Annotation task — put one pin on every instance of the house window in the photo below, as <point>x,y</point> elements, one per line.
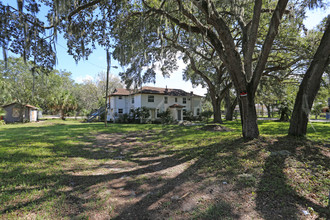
<point>120,111</point>
<point>132,100</point>
<point>151,98</point>
<point>197,111</point>
<point>176,99</point>
<point>184,100</point>
<point>165,100</point>
<point>157,115</point>
<point>120,97</point>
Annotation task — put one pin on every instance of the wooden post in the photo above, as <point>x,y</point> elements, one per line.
<point>107,87</point>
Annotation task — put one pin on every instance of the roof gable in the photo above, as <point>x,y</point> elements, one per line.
<point>121,91</point>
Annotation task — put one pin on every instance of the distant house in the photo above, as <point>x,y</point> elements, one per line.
<point>156,99</point>
<point>16,112</point>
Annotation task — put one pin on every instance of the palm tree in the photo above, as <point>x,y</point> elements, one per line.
<point>63,102</point>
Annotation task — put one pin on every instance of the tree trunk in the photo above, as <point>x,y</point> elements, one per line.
<point>216,104</point>
<point>284,114</point>
<point>21,113</point>
<point>249,117</point>
<point>230,109</point>
<point>310,86</point>
<point>226,48</point>
<point>229,115</point>
<point>268,111</point>
<point>33,83</point>
<point>62,115</point>
<point>262,110</point>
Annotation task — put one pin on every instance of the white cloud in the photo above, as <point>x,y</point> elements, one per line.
<point>81,79</point>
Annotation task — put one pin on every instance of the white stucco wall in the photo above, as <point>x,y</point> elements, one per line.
<point>137,101</point>
<point>157,104</point>
<point>116,104</point>
<point>196,104</point>
<point>112,108</point>
<point>121,103</point>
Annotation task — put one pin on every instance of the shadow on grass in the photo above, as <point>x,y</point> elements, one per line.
<point>71,191</point>
<point>317,131</point>
<point>204,157</point>
<point>276,199</point>
<point>66,188</point>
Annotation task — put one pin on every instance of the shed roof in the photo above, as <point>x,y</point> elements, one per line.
<point>29,106</point>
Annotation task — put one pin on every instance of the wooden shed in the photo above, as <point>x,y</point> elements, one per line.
<point>16,112</point>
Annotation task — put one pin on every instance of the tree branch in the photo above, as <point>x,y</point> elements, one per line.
<point>193,64</point>
<point>223,92</point>
<point>26,18</point>
<point>82,7</point>
<point>199,28</point>
<point>184,26</point>
<point>266,47</point>
<point>249,39</point>
<point>191,17</point>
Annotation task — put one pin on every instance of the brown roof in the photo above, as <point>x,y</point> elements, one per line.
<point>120,91</point>
<point>29,106</point>
<point>154,90</point>
<point>176,106</point>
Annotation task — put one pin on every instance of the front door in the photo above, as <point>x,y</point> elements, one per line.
<point>179,115</point>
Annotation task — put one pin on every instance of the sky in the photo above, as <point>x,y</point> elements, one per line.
<point>88,69</point>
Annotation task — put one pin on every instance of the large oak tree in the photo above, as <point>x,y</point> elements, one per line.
<point>215,22</point>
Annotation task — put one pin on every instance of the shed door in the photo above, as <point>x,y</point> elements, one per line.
<point>33,115</point>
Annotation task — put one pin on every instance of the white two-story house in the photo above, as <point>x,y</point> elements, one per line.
<point>156,100</point>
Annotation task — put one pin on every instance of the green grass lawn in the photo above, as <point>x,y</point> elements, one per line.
<point>67,169</point>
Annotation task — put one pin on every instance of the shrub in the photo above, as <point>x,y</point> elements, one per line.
<point>101,117</point>
<point>123,118</point>
<point>165,117</point>
<point>317,110</point>
<point>157,121</point>
<point>189,116</point>
<point>285,111</point>
<point>143,114</point>
<point>134,116</point>
<point>139,115</point>
<point>26,120</point>
<point>205,115</point>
